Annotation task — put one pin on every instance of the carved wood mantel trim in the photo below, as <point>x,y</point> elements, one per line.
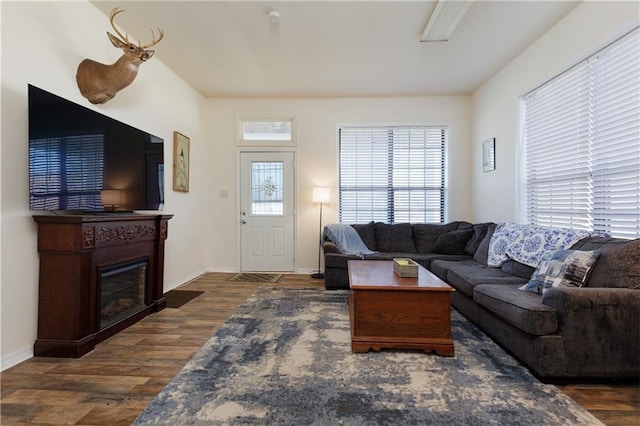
<point>119,234</point>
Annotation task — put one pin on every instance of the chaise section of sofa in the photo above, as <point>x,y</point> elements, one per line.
<point>591,331</point>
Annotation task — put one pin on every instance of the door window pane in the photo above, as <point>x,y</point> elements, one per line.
<point>267,180</point>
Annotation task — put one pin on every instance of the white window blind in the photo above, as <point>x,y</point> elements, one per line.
<point>582,144</point>
<point>392,174</point>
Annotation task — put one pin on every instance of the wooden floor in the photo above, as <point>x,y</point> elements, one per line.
<point>115,382</point>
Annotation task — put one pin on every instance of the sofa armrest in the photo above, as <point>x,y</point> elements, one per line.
<point>599,327</point>
<point>329,247</point>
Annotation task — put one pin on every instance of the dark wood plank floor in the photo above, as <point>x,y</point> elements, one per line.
<point>114,383</point>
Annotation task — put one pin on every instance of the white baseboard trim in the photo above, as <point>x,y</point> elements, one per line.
<point>183,280</point>
<point>224,269</point>
<point>16,358</point>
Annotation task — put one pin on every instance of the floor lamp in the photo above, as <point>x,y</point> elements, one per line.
<point>321,194</point>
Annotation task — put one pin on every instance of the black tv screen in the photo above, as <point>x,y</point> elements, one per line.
<point>81,160</point>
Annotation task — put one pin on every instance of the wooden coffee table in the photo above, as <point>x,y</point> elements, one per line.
<point>387,311</point>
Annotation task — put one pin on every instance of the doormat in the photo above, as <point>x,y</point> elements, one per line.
<point>177,298</point>
<point>255,278</point>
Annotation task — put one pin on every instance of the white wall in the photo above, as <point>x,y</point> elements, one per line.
<point>495,105</point>
<point>42,44</point>
<point>317,159</point>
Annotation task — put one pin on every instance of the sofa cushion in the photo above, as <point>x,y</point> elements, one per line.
<point>440,267</point>
<point>425,235</point>
<point>367,234</point>
<point>479,232</point>
<point>520,309</point>
<point>397,237</point>
<point>562,268</point>
<point>465,277</point>
<point>618,264</point>
<point>453,242</point>
<point>518,269</point>
<point>482,253</point>
<point>338,260</point>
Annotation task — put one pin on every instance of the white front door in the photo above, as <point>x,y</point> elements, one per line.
<point>267,211</point>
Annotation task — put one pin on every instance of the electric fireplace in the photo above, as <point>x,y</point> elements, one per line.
<point>122,290</point>
<point>99,273</point>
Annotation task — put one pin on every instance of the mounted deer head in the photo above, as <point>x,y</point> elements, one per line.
<point>98,82</point>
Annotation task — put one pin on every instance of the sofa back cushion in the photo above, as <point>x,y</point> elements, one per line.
<point>518,269</point>
<point>425,235</point>
<point>618,264</point>
<point>453,242</point>
<point>367,234</point>
<point>482,253</point>
<point>480,231</point>
<point>397,237</point>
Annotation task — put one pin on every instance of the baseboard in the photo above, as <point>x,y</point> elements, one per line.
<point>16,358</point>
<point>183,280</point>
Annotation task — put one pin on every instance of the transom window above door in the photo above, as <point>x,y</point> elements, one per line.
<point>267,131</point>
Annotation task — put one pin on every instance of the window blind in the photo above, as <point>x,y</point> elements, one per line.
<point>582,144</point>
<point>392,174</point>
<point>66,172</point>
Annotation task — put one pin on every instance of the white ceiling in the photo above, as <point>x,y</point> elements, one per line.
<point>332,48</point>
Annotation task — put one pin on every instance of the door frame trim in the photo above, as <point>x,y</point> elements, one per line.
<point>269,150</point>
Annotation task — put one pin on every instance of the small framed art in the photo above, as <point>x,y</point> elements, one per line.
<point>181,159</point>
<point>489,155</point>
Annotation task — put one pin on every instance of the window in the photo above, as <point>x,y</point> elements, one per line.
<point>392,174</point>
<point>267,183</point>
<point>582,144</point>
<point>66,172</point>
<point>262,131</point>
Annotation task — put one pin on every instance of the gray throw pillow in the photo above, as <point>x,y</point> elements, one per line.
<point>453,242</point>
<point>480,231</point>
<point>425,235</point>
<point>482,253</point>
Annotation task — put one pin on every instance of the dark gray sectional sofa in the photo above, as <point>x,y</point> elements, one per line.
<point>588,332</point>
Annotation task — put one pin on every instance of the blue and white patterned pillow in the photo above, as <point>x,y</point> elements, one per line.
<point>568,268</point>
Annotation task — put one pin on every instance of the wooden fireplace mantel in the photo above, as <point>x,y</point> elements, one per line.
<point>74,249</point>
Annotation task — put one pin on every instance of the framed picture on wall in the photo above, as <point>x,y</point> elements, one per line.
<point>180,162</point>
<point>489,155</point>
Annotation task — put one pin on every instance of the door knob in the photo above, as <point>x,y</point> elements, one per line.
<point>243,222</point>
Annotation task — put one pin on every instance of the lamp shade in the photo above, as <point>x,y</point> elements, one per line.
<point>110,197</point>
<point>321,194</point>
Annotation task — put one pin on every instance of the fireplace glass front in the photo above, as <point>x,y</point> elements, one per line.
<point>122,291</point>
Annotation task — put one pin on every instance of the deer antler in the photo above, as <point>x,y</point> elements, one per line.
<point>154,42</point>
<point>125,37</point>
<point>112,15</point>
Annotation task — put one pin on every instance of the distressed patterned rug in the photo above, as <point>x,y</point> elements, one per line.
<point>284,358</point>
<point>255,278</point>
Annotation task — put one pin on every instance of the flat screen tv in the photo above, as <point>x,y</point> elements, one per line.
<point>83,161</point>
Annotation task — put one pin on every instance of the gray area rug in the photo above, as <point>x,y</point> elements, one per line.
<point>285,358</point>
